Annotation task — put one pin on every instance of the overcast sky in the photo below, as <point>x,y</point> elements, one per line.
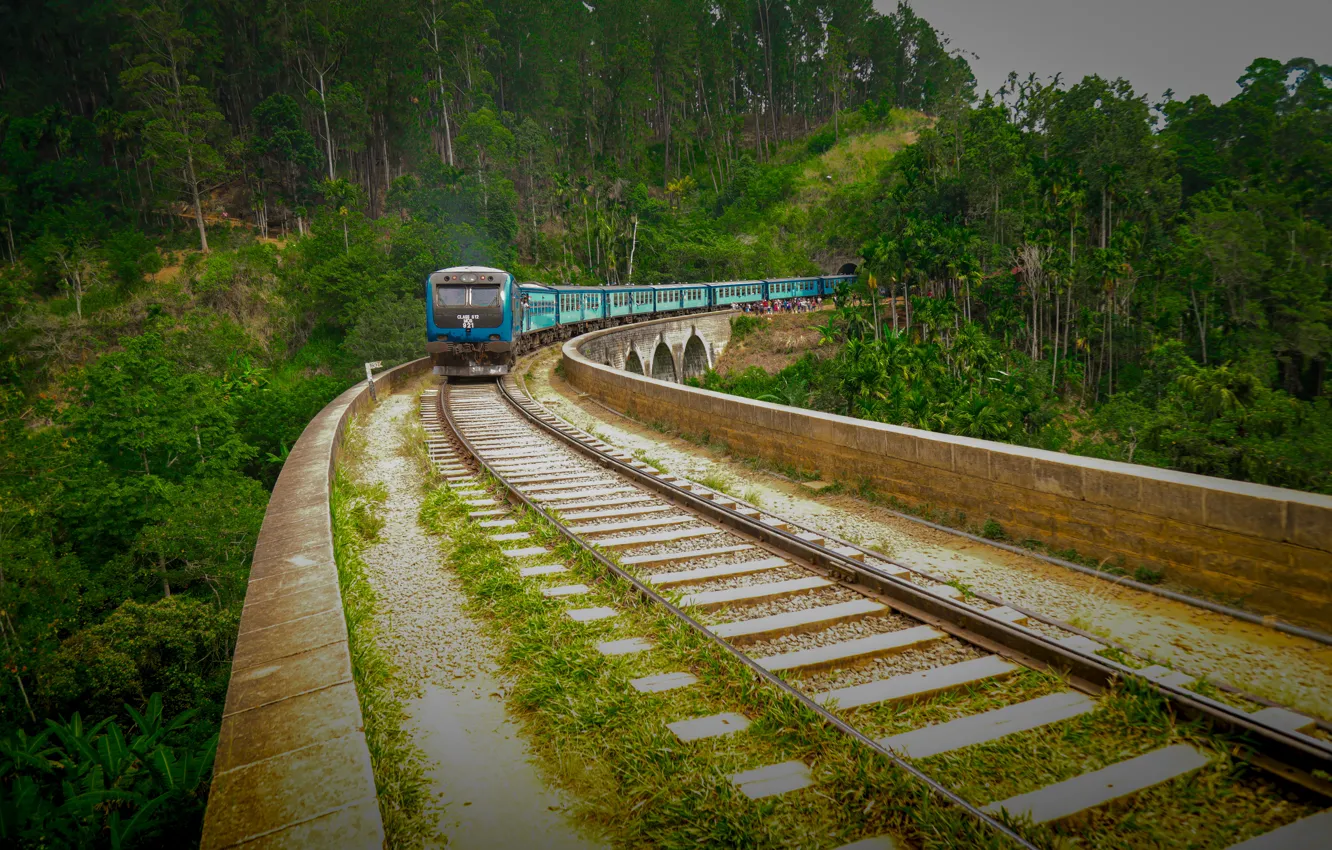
<point>1191,46</point>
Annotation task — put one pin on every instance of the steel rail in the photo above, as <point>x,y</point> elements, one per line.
<point>1184,598</point>
<point>652,596</point>
<point>1037,615</point>
<point>1284,753</point>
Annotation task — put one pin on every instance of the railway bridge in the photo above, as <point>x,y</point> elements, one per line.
<point>671,350</point>
<point>293,767</point>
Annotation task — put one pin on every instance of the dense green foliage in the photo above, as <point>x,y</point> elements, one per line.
<point>213,212</point>
<point>137,446</point>
<point>80,785</point>
<point>1056,269</point>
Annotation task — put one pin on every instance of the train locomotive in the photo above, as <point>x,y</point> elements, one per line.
<point>479,320</point>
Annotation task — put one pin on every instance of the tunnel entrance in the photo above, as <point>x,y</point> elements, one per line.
<point>695,358</point>
<point>663,365</point>
<point>633,364</point>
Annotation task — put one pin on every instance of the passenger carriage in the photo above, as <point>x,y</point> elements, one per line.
<point>829,283</point>
<point>695,296</point>
<point>670,297</point>
<point>793,287</point>
<point>540,307</point>
<point>644,300</point>
<point>578,304</point>
<point>736,292</point>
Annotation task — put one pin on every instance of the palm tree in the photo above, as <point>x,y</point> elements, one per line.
<point>343,196</point>
<point>1220,389</point>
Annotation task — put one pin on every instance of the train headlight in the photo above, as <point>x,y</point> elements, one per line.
<point>494,337</point>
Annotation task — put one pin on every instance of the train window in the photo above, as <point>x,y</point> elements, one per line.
<point>485,296</point>
<point>450,296</point>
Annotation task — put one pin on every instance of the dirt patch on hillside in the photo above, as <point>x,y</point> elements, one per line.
<point>783,339</point>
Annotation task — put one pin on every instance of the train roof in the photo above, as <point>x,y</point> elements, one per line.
<point>786,279</point>
<point>732,282</point>
<point>471,269</point>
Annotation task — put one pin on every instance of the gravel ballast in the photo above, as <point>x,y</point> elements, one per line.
<point>490,793</point>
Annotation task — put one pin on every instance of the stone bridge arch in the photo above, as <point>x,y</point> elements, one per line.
<point>663,363</point>
<point>633,363</point>
<point>695,361</point>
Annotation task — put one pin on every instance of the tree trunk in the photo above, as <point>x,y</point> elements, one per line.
<point>666,163</point>
<point>193,183</point>
<point>328,134</point>
<point>1202,324</point>
<point>444,106</point>
<point>632,247</point>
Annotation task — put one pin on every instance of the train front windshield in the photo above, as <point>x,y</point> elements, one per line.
<point>459,305</point>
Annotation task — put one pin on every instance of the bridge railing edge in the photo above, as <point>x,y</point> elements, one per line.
<point>292,763</point>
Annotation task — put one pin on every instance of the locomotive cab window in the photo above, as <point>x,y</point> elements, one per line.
<point>485,296</point>
<point>450,296</point>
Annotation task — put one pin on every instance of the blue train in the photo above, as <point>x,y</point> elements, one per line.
<point>479,319</point>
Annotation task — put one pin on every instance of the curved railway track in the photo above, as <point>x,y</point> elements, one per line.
<point>850,633</point>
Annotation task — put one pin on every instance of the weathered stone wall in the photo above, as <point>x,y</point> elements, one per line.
<point>670,349</point>
<point>292,765</point>
<point>1267,547</point>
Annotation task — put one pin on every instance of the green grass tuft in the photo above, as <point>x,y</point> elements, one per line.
<point>399,765</point>
<point>634,783</point>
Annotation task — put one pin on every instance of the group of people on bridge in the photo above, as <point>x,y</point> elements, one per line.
<point>768,306</point>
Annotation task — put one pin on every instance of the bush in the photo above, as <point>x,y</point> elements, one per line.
<point>271,418</point>
<point>821,142</point>
<point>1148,575</point>
<point>176,647</point>
<point>390,329</point>
<point>75,785</point>
<point>743,325</point>
<point>993,531</point>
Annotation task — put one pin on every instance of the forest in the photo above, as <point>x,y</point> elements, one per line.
<point>1074,269</point>
<point>214,210</point>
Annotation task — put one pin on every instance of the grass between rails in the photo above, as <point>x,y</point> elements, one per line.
<point>401,784</point>
<point>1226,802</point>
<point>608,744</point>
<point>639,785</point>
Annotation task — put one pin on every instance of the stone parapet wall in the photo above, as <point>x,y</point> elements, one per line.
<point>1267,548</point>
<point>292,766</point>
